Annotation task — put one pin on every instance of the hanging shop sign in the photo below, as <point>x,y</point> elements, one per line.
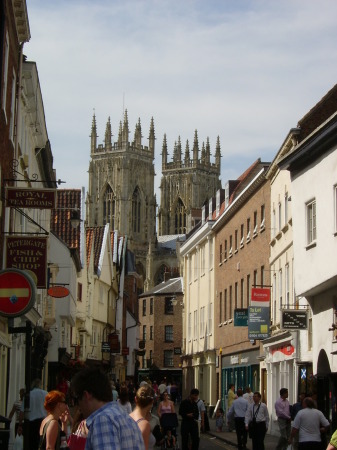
<point>58,291</point>
<point>28,254</point>
<point>114,343</point>
<point>17,293</point>
<point>260,295</point>
<point>241,317</point>
<point>294,319</point>
<point>258,322</point>
<point>17,197</point>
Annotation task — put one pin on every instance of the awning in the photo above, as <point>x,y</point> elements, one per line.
<point>4,341</point>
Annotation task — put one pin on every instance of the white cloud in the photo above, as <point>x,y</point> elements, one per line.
<point>244,70</point>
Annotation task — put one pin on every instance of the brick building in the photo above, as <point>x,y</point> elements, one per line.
<point>242,237</point>
<point>160,316</point>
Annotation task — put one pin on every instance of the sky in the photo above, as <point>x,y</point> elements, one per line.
<point>244,70</point>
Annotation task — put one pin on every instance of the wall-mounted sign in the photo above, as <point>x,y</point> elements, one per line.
<point>177,350</point>
<point>125,351</point>
<point>17,293</point>
<point>30,198</point>
<point>105,347</point>
<point>114,343</point>
<point>58,291</point>
<point>241,317</point>
<point>295,319</point>
<point>28,254</point>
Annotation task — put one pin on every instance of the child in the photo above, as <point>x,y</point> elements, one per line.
<point>170,440</point>
<point>219,419</point>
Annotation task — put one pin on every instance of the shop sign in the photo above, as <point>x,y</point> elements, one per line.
<point>30,198</point>
<point>234,359</point>
<point>17,293</point>
<point>295,319</point>
<point>241,317</point>
<point>125,351</point>
<point>105,347</point>
<point>30,255</point>
<point>58,292</point>
<point>114,343</point>
<point>177,350</point>
<point>260,295</point>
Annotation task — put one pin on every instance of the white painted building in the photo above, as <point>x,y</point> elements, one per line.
<point>312,165</point>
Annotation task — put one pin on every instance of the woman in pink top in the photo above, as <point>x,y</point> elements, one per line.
<point>165,406</point>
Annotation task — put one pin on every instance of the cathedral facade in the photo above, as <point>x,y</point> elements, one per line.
<point>121,192</point>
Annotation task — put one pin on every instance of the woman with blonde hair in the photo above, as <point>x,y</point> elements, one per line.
<point>144,402</point>
<point>51,432</point>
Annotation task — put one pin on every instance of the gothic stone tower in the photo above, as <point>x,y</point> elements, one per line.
<point>121,187</point>
<point>186,184</point>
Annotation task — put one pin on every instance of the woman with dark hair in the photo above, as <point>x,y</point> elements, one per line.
<point>51,432</point>
<point>144,402</point>
<point>123,400</point>
<point>165,406</point>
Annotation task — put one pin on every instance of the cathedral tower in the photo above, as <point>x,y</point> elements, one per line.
<point>121,187</point>
<point>186,185</point>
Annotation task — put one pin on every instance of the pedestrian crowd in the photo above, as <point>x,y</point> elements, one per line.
<point>108,415</point>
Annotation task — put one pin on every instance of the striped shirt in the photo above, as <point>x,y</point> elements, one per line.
<point>111,428</point>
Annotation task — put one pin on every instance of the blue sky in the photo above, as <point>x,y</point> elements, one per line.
<point>246,71</point>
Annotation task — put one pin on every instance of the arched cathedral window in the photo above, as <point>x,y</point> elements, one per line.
<point>109,205</point>
<point>136,204</point>
<point>180,218</point>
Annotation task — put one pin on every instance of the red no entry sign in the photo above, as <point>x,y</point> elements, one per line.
<point>17,292</point>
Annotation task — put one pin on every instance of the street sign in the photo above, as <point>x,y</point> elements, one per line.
<point>17,292</point>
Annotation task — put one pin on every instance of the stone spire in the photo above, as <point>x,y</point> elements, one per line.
<point>93,134</point>
<point>138,135</point>
<point>208,153</point>
<point>187,153</point>
<point>125,131</point>
<point>164,153</point>
<point>203,154</point>
<point>218,154</point>
<point>120,134</point>
<point>108,134</point>
<point>152,137</point>
<point>195,148</point>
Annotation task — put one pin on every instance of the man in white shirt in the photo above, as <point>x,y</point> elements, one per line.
<point>307,423</point>
<point>238,412</point>
<point>202,412</point>
<point>258,415</point>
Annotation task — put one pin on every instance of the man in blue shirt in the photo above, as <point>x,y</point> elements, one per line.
<point>109,426</point>
<point>238,412</point>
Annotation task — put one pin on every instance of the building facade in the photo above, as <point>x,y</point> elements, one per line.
<point>242,236</point>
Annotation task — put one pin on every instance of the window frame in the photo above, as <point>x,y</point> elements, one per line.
<point>311,222</point>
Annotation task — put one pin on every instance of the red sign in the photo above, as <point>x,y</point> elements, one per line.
<point>114,343</point>
<point>28,254</point>
<point>260,295</point>
<point>17,293</point>
<point>30,198</point>
<point>58,291</point>
<point>125,351</point>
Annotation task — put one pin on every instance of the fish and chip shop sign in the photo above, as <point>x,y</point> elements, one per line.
<point>30,255</point>
<point>30,198</point>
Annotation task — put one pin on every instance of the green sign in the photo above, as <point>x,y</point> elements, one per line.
<point>241,317</point>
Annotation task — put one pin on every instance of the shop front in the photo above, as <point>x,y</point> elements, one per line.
<point>241,369</point>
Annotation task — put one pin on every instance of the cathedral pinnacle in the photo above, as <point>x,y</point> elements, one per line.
<point>108,134</point>
<point>195,148</point>
<point>187,152</point>
<point>164,152</point>
<point>125,131</point>
<point>138,134</point>
<point>208,153</point>
<point>218,154</point>
<point>93,134</point>
<point>152,137</point>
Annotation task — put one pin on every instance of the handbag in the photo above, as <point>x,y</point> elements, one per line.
<point>76,442</point>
